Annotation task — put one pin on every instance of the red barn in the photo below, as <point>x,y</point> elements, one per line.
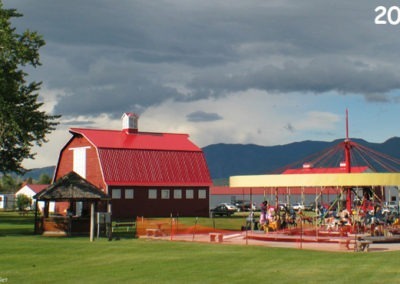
<point>145,174</point>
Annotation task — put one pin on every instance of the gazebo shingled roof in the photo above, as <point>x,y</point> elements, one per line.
<point>71,187</point>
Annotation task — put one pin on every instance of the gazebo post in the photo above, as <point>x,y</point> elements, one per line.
<point>35,230</point>
<point>69,216</point>
<point>109,207</point>
<point>92,221</point>
<point>109,210</point>
<point>46,209</point>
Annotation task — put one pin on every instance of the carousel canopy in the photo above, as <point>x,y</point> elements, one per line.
<point>312,180</point>
<point>71,187</point>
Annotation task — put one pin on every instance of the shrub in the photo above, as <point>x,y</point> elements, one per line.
<point>23,202</point>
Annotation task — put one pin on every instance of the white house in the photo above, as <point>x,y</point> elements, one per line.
<point>31,190</point>
<point>7,201</point>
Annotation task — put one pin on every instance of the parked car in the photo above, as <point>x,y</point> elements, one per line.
<point>230,206</point>
<point>223,209</point>
<point>244,205</point>
<point>298,206</point>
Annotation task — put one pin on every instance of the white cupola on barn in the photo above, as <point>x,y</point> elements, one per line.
<point>130,122</point>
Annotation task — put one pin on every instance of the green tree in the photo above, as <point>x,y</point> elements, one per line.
<point>8,183</point>
<point>23,202</point>
<point>22,123</point>
<point>44,179</point>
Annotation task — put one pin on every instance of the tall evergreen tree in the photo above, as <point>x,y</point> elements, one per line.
<point>22,123</point>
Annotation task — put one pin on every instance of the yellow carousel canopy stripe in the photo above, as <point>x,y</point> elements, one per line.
<point>295,180</point>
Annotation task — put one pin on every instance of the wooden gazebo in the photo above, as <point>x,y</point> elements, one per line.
<point>70,188</point>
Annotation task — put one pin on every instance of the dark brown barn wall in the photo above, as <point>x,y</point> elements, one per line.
<point>142,206</point>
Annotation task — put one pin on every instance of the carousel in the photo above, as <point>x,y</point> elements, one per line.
<point>359,211</point>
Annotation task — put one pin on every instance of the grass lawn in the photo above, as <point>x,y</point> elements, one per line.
<point>35,259</point>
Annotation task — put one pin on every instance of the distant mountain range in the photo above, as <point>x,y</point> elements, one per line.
<point>225,160</point>
<point>35,173</point>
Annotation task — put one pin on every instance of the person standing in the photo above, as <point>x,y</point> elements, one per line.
<point>263,215</point>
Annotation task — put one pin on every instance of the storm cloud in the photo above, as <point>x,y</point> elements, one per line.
<point>201,116</point>
<point>260,72</point>
<point>112,57</point>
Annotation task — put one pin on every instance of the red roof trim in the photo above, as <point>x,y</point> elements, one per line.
<point>159,184</point>
<point>360,169</point>
<point>247,191</point>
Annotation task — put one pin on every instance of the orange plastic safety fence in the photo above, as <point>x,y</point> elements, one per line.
<point>168,226</point>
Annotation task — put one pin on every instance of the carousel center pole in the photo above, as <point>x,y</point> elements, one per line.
<point>347,147</point>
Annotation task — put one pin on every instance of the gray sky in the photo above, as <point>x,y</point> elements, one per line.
<point>261,72</point>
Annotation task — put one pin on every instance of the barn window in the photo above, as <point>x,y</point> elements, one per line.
<point>165,193</point>
<point>116,193</point>
<point>189,193</point>
<point>202,194</point>
<point>152,193</point>
<point>177,193</point>
<point>129,193</point>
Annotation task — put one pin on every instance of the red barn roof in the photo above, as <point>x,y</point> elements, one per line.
<point>144,158</point>
<point>141,140</point>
